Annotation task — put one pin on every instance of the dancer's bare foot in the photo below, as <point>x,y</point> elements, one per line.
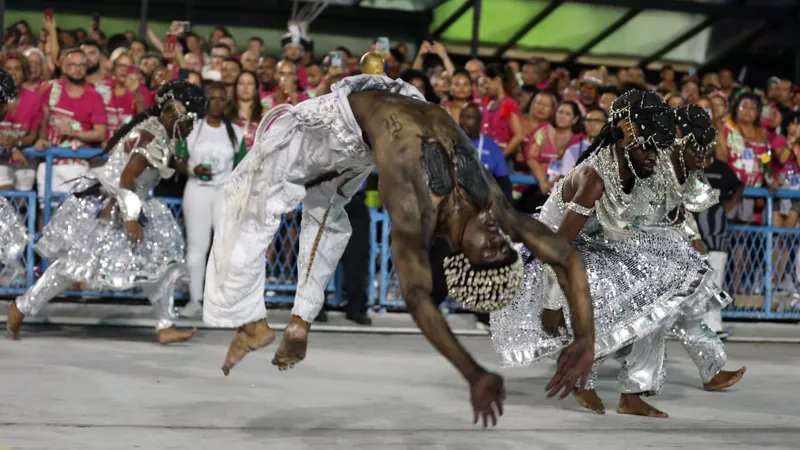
<point>634,405</point>
<point>248,338</point>
<point>589,400</point>
<point>171,335</point>
<point>724,379</point>
<point>14,320</point>
<point>293,345</point>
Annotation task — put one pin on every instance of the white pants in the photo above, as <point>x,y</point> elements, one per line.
<point>718,262</point>
<point>21,178</point>
<point>54,281</point>
<point>64,176</point>
<point>198,215</point>
<point>234,296</point>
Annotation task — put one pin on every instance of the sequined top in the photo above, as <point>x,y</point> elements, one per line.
<point>615,211</point>
<point>157,152</point>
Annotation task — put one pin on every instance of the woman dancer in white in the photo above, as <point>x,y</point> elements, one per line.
<point>110,233</point>
<point>13,233</point>
<point>207,156</point>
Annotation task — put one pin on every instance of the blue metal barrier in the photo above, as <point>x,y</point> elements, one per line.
<point>763,287</point>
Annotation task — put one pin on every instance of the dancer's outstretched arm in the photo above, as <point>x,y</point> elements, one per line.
<point>575,362</point>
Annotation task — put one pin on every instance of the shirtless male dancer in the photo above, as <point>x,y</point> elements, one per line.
<point>431,182</point>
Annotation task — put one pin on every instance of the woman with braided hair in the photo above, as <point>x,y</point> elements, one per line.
<point>639,280</point>
<point>110,233</point>
<point>13,233</point>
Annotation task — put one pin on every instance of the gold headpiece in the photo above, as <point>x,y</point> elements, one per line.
<point>372,64</point>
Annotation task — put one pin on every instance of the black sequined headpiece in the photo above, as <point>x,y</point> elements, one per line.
<point>649,119</point>
<point>8,89</point>
<point>191,96</point>
<point>696,127</point>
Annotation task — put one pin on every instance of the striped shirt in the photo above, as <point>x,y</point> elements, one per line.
<point>713,222</point>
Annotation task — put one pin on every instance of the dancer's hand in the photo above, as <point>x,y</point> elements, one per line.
<point>487,392</point>
<point>574,365</point>
<point>134,231</point>
<point>552,320</point>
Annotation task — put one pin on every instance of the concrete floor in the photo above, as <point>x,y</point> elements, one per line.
<point>74,387</point>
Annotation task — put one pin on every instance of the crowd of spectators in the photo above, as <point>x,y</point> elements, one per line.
<point>532,117</point>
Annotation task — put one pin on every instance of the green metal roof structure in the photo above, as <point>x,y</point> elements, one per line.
<point>615,32</point>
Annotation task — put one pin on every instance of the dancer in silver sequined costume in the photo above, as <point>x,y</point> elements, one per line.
<point>110,233</point>
<point>639,280</point>
<point>13,233</point>
<point>688,191</point>
<point>684,190</point>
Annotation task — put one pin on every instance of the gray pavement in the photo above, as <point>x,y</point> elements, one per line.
<point>77,387</point>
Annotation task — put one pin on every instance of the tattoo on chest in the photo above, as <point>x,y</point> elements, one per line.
<point>392,125</point>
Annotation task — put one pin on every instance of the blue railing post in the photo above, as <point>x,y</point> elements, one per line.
<point>48,185</point>
<point>374,218</point>
<point>383,283</point>
<point>767,307</point>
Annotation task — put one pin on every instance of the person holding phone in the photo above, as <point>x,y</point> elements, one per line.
<point>207,156</point>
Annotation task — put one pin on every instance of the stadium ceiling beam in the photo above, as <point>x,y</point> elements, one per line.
<point>536,20</point>
<point>603,35</point>
<point>740,44</point>
<point>706,8</point>
<point>684,37</point>
<point>272,14</point>
<point>452,19</point>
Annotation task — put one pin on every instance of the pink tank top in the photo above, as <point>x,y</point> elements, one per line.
<point>497,119</point>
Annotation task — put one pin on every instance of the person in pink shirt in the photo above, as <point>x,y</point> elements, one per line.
<point>38,70</point>
<point>246,110</point>
<point>287,91</point>
<point>18,128</point>
<point>74,117</point>
<point>501,116</point>
<point>547,147</point>
<point>125,100</point>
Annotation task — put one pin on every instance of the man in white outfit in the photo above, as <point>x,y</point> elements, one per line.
<point>319,152</point>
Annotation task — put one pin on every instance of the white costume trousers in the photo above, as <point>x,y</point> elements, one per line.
<point>54,281</point>
<point>718,262</point>
<point>325,230</point>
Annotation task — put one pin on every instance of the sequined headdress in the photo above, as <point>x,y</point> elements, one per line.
<point>8,89</point>
<point>696,128</point>
<point>483,288</point>
<point>649,119</point>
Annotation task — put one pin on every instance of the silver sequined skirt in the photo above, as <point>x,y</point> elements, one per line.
<point>97,251</point>
<point>638,285</point>
<point>13,234</point>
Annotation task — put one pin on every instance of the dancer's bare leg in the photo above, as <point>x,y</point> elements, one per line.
<point>159,293</point>
<point>248,338</point>
<point>293,346</point>
<point>324,233</point>
<point>47,287</point>
<point>632,404</point>
<point>587,397</point>
<point>724,379</point>
<point>643,373</point>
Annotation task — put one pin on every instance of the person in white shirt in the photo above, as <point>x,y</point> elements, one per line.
<point>207,156</point>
